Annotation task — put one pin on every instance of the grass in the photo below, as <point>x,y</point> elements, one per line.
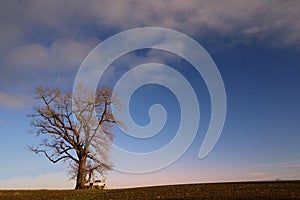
<point>241,190</point>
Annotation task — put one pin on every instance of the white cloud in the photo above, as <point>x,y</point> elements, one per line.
<point>194,16</point>
<point>291,164</point>
<point>62,53</point>
<point>43,181</point>
<point>55,36</point>
<point>32,55</point>
<point>15,101</point>
<point>9,36</point>
<point>254,30</point>
<point>256,174</point>
<point>66,20</point>
<point>190,16</point>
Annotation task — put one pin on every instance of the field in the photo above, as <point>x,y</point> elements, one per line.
<point>242,190</point>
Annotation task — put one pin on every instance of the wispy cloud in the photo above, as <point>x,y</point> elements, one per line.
<point>201,17</point>
<point>290,164</point>
<point>43,181</point>
<point>62,53</point>
<point>256,174</point>
<point>55,36</point>
<point>72,19</point>
<point>14,101</point>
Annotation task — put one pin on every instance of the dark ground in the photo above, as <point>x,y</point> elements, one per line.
<point>242,190</point>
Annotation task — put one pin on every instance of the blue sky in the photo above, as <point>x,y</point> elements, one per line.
<point>255,45</point>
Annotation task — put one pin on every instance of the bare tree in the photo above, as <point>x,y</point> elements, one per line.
<point>80,135</point>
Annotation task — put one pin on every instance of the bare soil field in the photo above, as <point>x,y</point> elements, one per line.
<point>237,190</point>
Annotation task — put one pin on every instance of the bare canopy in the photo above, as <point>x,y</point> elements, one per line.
<point>80,135</point>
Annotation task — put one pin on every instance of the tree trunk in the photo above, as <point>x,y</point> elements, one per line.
<point>80,181</point>
<point>90,176</point>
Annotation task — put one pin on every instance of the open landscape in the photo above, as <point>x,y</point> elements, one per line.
<point>234,190</point>
<point>137,99</point>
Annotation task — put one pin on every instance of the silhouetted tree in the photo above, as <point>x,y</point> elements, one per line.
<point>80,135</point>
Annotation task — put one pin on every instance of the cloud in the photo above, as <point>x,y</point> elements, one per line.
<point>72,18</point>
<point>24,66</point>
<point>290,164</point>
<point>256,174</point>
<point>201,17</point>
<point>62,53</point>
<point>32,55</point>
<point>43,181</point>
<point>15,101</point>
<point>55,36</point>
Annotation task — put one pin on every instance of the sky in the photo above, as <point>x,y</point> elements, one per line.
<point>254,44</point>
